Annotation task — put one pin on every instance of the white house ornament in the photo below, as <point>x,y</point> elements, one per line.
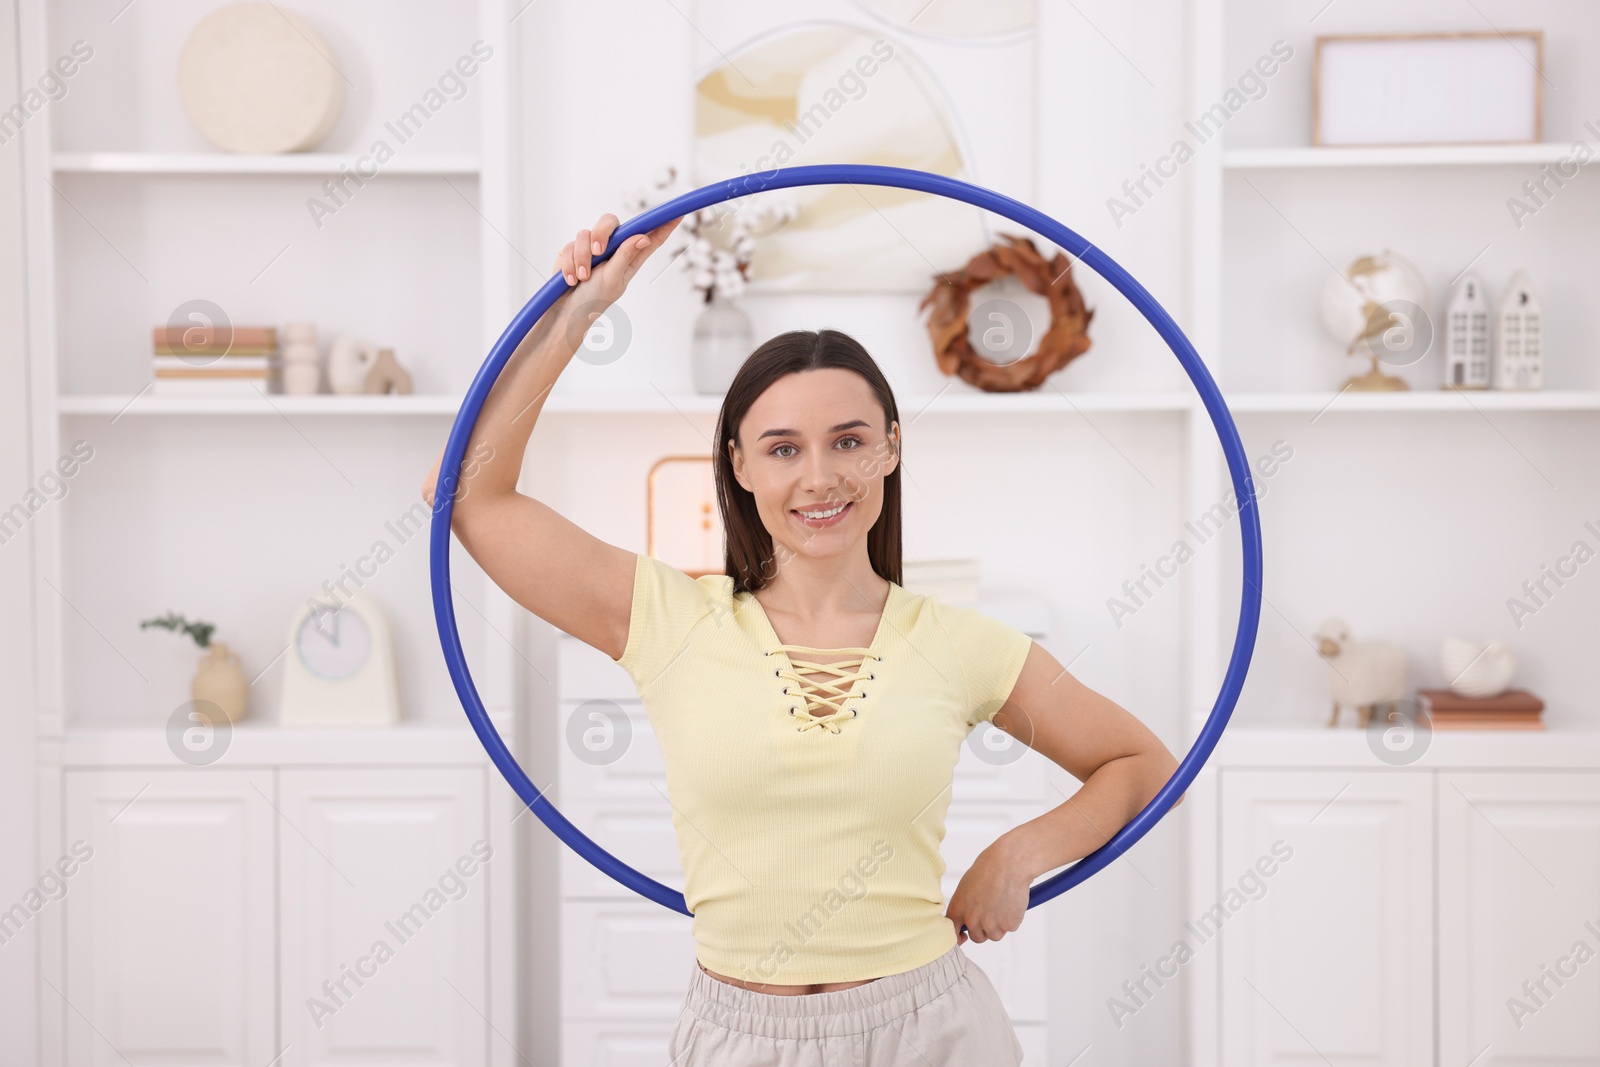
<point>1519,336</point>
<point>1466,346</point>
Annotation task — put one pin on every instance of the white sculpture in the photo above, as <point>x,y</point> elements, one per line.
<point>349,360</point>
<point>1519,337</point>
<point>1476,668</point>
<point>256,78</point>
<point>1466,346</point>
<point>1361,674</point>
<point>302,374</point>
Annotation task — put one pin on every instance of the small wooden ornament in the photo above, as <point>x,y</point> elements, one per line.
<point>1065,340</point>
<point>387,375</point>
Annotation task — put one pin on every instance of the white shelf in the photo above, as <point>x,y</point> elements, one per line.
<point>1395,156</point>
<point>267,404</point>
<point>264,743</point>
<point>1418,400</point>
<point>219,163</point>
<point>912,406</point>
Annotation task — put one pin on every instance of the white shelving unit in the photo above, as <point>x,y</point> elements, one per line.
<point>1407,513</point>
<point>54,174</point>
<point>130,214</point>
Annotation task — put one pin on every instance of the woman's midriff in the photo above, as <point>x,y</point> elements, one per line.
<point>786,990</point>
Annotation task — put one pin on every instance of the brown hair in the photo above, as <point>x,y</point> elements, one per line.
<point>750,558</point>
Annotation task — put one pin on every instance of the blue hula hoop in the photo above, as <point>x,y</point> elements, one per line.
<point>901,178</point>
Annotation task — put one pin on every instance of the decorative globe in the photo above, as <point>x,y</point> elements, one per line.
<point>1354,307</point>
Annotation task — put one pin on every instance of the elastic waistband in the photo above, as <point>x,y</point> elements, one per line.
<point>843,1011</point>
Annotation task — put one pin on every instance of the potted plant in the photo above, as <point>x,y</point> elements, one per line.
<point>219,679</point>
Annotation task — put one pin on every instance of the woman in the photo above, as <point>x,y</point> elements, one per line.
<point>810,710</point>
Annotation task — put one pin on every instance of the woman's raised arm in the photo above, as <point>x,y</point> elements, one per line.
<point>543,561</point>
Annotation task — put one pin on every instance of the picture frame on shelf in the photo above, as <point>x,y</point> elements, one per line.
<point>1459,88</point>
<point>683,525</point>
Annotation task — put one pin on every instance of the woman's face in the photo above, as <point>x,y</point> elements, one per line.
<point>814,442</point>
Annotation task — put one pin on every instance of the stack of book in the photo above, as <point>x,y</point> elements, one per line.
<point>1515,709</point>
<point>215,359</point>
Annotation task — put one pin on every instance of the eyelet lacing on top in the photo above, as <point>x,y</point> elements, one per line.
<point>827,692</point>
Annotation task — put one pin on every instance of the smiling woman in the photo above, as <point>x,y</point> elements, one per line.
<point>821,471</point>
<point>809,709</point>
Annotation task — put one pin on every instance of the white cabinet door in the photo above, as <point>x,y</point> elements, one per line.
<point>639,834</point>
<point>169,922</point>
<point>615,1044</point>
<point>1322,919</point>
<point>1519,918</point>
<point>624,960</point>
<point>383,899</point>
<point>607,750</point>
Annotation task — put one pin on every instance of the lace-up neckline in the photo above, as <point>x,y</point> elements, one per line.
<point>825,693</point>
<point>822,699</point>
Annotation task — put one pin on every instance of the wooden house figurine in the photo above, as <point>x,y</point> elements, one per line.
<point>1466,349</point>
<point>1519,337</point>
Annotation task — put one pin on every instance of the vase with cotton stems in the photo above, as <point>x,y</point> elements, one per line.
<point>720,248</point>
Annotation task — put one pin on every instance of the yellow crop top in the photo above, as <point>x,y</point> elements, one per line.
<point>809,838</point>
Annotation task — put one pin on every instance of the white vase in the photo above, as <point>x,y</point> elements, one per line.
<point>722,342</point>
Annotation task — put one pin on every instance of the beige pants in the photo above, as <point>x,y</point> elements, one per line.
<point>943,1014</point>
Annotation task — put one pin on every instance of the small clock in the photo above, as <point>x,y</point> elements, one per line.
<point>340,667</point>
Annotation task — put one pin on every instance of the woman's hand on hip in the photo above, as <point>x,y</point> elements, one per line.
<point>606,283</point>
<point>992,897</point>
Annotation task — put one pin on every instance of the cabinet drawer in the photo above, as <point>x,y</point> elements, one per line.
<point>639,834</point>
<point>615,1044</point>
<point>586,673</point>
<point>625,960</point>
<point>606,750</point>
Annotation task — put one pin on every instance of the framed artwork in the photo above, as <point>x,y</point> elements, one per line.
<point>944,88</point>
<point>1429,88</point>
<point>683,523</point>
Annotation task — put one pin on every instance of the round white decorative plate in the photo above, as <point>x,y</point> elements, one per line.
<point>256,78</point>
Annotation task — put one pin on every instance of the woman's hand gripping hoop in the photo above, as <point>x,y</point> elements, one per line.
<point>899,178</point>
